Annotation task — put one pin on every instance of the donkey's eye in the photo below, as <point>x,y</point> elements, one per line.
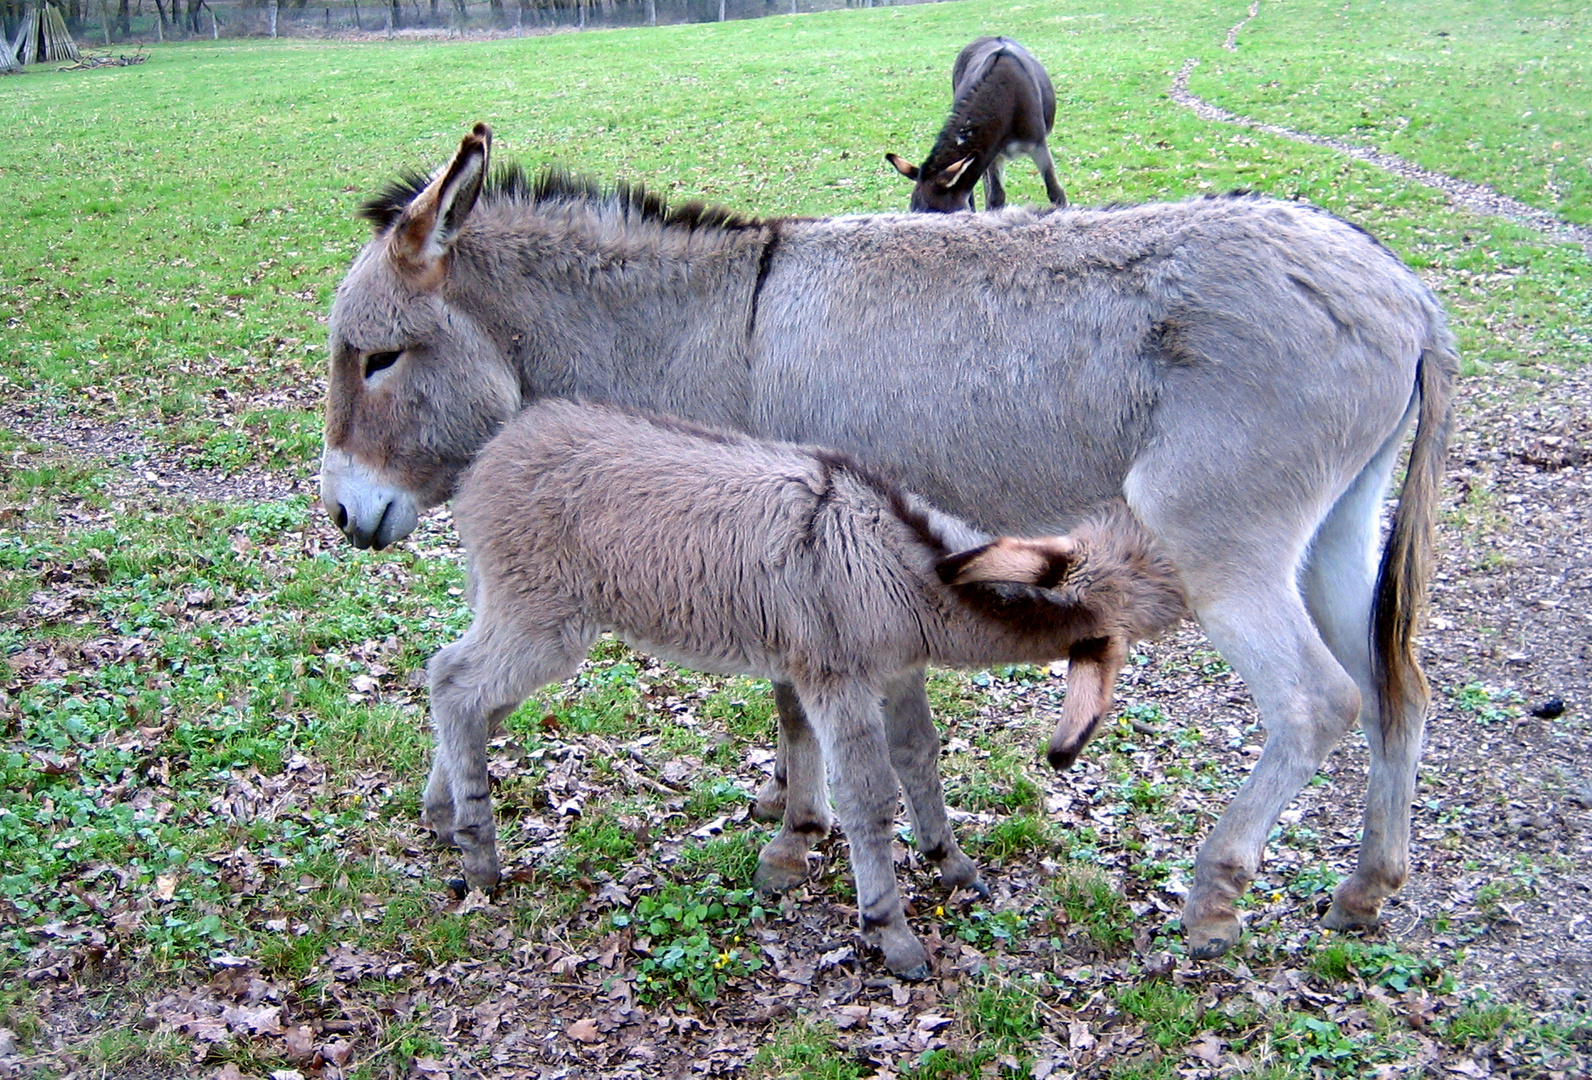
<point>380,361</point>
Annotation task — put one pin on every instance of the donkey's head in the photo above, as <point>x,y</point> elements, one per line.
<point>939,190</point>
<point>416,386</point>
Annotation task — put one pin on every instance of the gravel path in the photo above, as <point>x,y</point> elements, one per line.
<point>1478,198</point>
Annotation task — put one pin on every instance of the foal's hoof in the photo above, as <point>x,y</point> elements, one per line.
<point>770,804</point>
<point>915,974</point>
<point>978,886</point>
<point>777,877</point>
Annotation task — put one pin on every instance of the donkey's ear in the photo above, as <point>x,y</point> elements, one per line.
<point>903,166</point>
<point>1044,562</point>
<point>426,228</point>
<point>953,172</point>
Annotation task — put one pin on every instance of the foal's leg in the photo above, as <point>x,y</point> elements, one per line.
<point>770,804</point>
<point>803,793</point>
<point>1047,169</point>
<point>849,723</point>
<point>475,683</point>
<point>915,756</point>
<point>1339,585</point>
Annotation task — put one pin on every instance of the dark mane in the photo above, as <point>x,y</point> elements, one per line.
<point>891,492</point>
<point>555,184</point>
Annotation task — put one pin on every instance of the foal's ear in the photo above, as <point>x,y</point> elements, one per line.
<point>426,228</point>
<point>953,172</point>
<point>903,166</point>
<point>1045,562</point>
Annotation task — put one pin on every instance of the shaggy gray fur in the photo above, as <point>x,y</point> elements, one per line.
<point>732,555</point>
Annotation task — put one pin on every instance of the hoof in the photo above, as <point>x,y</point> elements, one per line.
<point>770,804</point>
<point>1210,948</point>
<point>772,877</point>
<point>960,872</point>
<point>914,974</point>
<point>978,887</point>
<point>1339,917</point>
<point>1212,939</point>
<point>458,887</point>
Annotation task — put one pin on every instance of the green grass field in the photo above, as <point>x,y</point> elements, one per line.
<point>212,745</point>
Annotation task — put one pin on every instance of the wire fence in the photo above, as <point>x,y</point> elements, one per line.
<point>106,22</point>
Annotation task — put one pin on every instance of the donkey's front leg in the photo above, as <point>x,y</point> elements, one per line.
<point>803,797</point>
<point>915,756</point>
<point>475,683</point>
<point>850,725</point>
<point>994,190</point>
<point>458,796</point>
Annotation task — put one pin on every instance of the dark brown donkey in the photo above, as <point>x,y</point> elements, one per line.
<point>1002,105</point>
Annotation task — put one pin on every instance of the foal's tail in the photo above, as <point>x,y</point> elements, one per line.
<point>1408,556</point>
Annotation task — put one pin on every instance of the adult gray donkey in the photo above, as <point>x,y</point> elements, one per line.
<point>1242,371</point>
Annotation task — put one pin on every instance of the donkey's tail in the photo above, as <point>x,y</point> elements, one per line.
<point>1408,556</point>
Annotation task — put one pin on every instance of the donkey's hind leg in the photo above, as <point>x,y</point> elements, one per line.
<point>1047,171</point>
<point>475,683</point>
<point>850,725</point>
<point>803,797</point>
<point>1339,585</point>
<point>770,804</point>
<point>1241,582</point>
<point>915,756</point>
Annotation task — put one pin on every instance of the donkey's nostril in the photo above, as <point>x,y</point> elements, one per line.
<point>341,517</point>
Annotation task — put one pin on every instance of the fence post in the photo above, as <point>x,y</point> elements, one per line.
<point>215,25</point>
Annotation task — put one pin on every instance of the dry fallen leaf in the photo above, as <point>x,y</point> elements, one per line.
<point>584,1031</point>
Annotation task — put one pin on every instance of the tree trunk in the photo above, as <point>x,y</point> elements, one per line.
<point>721,10</point>
<point>397,16</point>
<point>652,12</point>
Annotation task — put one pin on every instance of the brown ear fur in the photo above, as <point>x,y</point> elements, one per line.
<point>953,172</point>
<point>423,232</point>
<point>903,166</point>
<point>1092,670</point>
<point>1043,561</point>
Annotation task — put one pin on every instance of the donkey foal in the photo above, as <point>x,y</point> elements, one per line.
<point>734,555</point>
